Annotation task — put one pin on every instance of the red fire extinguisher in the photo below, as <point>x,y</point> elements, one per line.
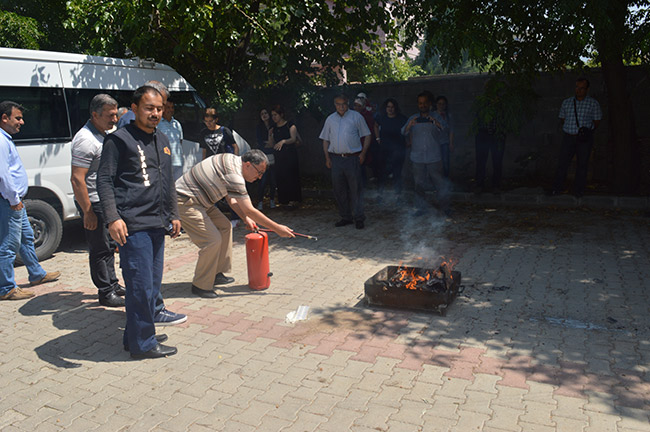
<point>257,259</point>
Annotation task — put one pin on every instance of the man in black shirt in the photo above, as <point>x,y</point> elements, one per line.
<point>137,193</point>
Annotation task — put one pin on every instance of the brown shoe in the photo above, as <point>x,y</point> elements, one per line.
<point>49,277</point>
<point>17,294</point>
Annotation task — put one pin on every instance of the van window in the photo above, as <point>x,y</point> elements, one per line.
<point>45,114</point>
<point>79,102</point>
<point>188,110</point>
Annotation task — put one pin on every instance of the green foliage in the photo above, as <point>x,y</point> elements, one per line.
<point>47,18</point>
<point>505,104</point>
<point>527,36</point>
<point>18,31</point>
<point>433,66</point>
<point>380,65</point>
<point>225,47</point>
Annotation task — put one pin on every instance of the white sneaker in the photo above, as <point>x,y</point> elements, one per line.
<point>260,205</point>
<point>272,204</point>
<point>234,223</point>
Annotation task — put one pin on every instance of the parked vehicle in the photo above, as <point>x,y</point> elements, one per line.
<point>56,89</point>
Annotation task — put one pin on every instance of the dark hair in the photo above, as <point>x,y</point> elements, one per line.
<point>141,91</point>
<point>427,94</point>
<point>278,109</point>
<point>211,112</point>
<point>583,79</point>
<point>255,157</point>
<point>7,107</point>
<point>160,87</point>
<point>395,104</point>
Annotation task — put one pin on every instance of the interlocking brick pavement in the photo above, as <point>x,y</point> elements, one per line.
<point>550,334</point>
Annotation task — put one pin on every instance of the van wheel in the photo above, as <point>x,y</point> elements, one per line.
<point>47,227</point>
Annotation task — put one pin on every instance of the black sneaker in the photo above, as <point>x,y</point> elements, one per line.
<point>359,224</point>
<point>343,222</point>
<point>168,318</point>
<point>222,279</point>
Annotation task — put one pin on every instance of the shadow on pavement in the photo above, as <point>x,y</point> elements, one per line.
<point>93,333</point>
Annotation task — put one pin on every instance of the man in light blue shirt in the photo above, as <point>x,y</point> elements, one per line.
<point>425,155</point>
<point>174,131</point>
<point>16,234</point>
<point>342,135</point>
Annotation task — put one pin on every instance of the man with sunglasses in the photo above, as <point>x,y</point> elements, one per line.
<point>220,176</point>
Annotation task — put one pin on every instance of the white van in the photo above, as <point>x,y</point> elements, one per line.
<point>56,89</point>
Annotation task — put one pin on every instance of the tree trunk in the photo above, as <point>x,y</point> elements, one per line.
<point>609,27</point>
<point>622,133</point>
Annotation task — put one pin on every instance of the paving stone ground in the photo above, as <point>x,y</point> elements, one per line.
<point>551,333</point>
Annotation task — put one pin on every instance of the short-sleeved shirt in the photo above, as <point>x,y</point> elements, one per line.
<point>588,111</point>
<point>174,133</point>
<point>443,135</point>
<point>86,153</point>
<point>217,141</point>
<point>390,130</point>
<point>344,132</point>
<point>424,146</point>
<point>126,118</point>
<point>213,179</point>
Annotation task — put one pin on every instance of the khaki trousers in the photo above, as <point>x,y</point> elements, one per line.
<point>211,231</point>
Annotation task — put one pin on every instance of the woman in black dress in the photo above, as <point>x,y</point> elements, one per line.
<point>284,136</point>
<point>264,144</point>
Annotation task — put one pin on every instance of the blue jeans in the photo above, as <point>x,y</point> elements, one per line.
<point>348,186</point>
<point>16,236</point>
<point>267,179</point>
<point>141,260</point>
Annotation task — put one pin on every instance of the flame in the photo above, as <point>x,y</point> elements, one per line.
<point>410,278</point>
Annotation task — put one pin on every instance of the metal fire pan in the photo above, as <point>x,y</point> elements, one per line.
<point>379,293</point>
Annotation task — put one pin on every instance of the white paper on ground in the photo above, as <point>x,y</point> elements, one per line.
<point>299,314</point>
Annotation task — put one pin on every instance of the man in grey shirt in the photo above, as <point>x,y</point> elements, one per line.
<point>86,153</point>
<point>425,155</point>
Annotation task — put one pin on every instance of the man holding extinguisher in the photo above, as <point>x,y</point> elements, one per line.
<point>220,176</point>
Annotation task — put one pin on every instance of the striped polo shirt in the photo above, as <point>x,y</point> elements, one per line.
<point>213,179</point>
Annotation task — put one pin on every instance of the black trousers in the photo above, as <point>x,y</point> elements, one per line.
<point>101,248</point>
<point>571,147</point>
<point>487,143</point>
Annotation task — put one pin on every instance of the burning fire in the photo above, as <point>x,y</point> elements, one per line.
<point>411,279</point>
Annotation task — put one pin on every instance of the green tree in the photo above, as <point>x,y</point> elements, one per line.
<point>380,64</point>
<point>47,18</point>
<point>529,36</point>
<point>224,46</point>
<point>17,31</point>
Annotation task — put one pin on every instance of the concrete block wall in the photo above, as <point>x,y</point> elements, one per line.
<point>540,136</point>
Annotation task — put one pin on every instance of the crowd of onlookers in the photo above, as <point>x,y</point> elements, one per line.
<point>132,189</point>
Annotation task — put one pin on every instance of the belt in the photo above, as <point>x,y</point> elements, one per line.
<point>345,154</point>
